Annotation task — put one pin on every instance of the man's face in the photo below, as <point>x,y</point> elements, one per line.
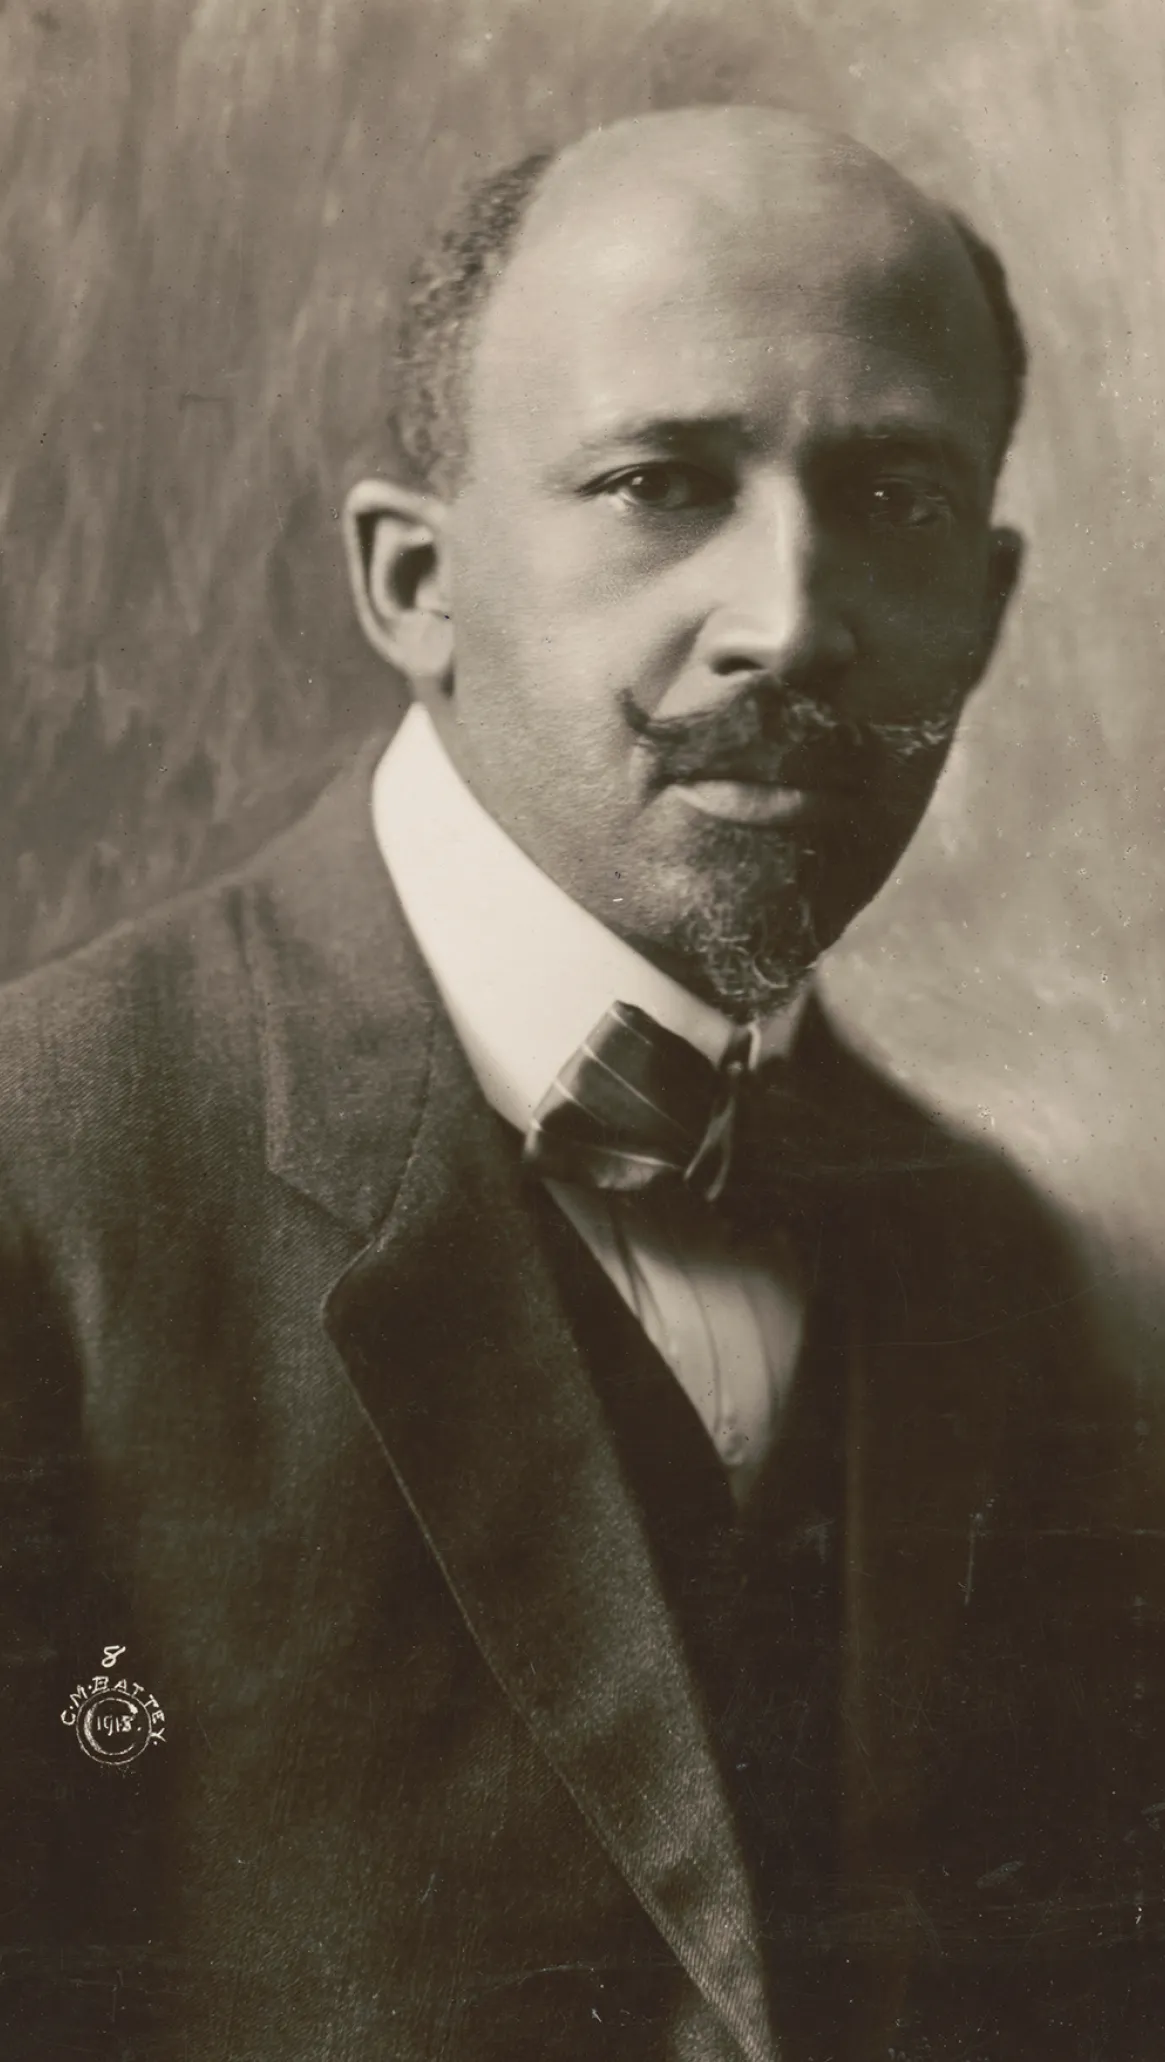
<point>721,570</point>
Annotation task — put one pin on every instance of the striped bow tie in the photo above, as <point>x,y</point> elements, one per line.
<point>637,1103</point>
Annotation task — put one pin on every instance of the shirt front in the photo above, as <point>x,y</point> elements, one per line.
<point>525,974</point>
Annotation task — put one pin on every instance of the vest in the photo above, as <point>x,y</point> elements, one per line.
<point>755,1596</point>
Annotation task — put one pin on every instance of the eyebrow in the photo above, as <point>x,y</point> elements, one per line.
<point>901,432</point>
<point>929,439</point>
<point>657,429</point>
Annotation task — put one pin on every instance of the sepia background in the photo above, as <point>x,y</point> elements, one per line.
<point>206,210</point>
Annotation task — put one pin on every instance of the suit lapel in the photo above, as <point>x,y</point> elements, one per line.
<point>453,1334</point>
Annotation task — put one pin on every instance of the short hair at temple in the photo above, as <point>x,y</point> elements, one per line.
<point>455,274</point>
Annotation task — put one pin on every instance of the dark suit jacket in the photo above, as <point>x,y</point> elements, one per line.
<point>295,1411</point>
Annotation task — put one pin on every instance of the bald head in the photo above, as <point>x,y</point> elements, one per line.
<point>713,184</point>
<point>725,169</point>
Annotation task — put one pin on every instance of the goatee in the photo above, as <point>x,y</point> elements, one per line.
<point>749,929</point>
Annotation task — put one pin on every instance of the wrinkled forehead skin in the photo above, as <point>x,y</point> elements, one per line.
<point>664,259</point>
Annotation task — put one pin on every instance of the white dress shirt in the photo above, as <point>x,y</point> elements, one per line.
<point>525,974</point>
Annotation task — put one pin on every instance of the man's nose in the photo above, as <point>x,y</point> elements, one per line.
<point>778,609</point>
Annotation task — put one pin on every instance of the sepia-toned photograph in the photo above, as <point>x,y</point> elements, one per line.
<point>582,1191</point>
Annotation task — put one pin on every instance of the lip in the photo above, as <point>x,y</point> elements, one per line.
<point>763,803</point>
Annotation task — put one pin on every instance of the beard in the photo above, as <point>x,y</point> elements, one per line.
<point>751,929</point>
<point>758,908</point>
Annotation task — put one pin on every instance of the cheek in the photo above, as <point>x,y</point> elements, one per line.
<point>541,613</point>
<point>925,641</point>
<point>531,701</point>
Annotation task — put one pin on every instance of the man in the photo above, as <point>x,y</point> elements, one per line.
<point>607,1498</point>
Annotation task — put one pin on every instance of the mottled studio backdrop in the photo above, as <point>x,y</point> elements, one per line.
<point>206,207</point>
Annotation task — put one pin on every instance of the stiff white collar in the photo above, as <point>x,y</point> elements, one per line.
<point>524,972</point>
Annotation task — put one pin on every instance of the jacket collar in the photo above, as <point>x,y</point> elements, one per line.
<point>452,1332</point>
<point>347,1011</point>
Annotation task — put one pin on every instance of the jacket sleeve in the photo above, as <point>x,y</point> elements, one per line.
<point>1053,1802</point>
<point>42,1609</point>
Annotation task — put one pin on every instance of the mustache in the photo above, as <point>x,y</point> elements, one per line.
<point>770,732</point>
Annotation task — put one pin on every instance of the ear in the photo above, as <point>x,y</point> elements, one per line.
<point>1004,565</point>
<point>394,540</point>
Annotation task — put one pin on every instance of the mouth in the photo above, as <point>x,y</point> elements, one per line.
<point>764,803</point>
<point>793,789</point>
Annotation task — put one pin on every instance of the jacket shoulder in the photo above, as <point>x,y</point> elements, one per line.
<point>160,1049</point>
<point>122,1040</point>
<point>967,1248</point>
<point>921,1168</point>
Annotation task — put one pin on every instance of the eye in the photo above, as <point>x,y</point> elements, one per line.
<point>665,487</point>
<point>905,504</point>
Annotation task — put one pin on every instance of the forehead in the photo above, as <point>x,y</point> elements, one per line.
<point>783,305</point>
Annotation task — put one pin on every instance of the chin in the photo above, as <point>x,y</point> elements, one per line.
<point>747,922</point>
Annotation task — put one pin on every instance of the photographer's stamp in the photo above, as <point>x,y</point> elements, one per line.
<point>114,1719</point>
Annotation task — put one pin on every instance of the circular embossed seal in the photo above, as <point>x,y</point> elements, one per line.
<point>114,1721</point>
<point>113,1725</point>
